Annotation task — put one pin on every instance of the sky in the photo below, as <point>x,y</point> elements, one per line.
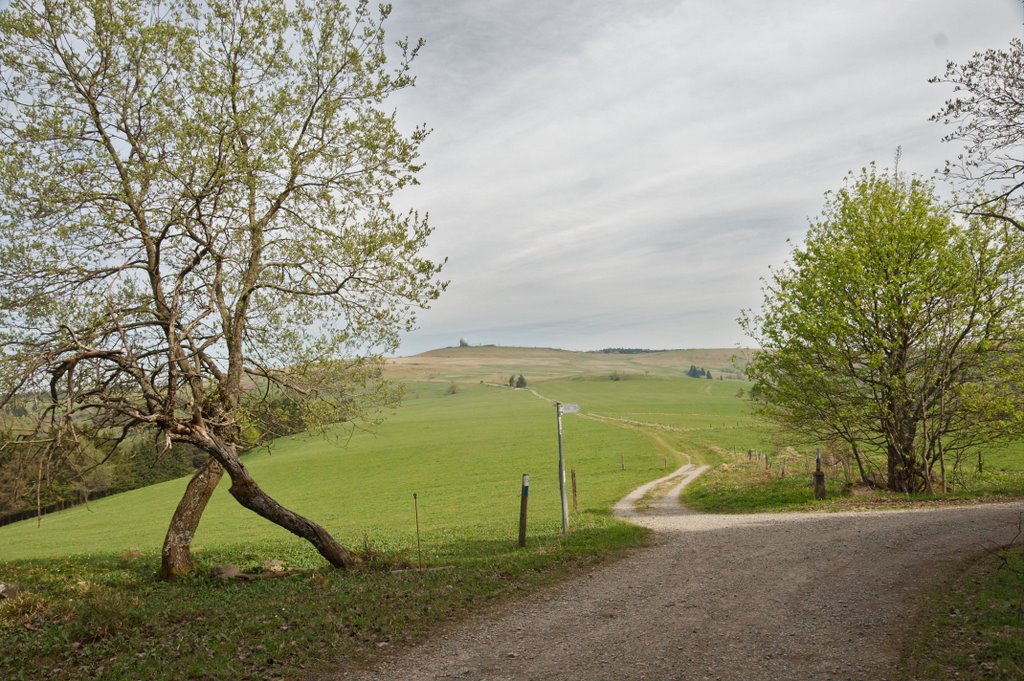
<point>622,174</point>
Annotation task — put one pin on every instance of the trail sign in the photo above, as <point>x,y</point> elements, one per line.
<point>559,410</point>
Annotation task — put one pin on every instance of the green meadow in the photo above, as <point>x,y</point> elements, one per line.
<point>93,608</point>
<point>460,442</point>
<point>462,454</point>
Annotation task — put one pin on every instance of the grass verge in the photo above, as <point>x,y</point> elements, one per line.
<point>751,487</point>
<point>105,617</point>
<point>973,625</point>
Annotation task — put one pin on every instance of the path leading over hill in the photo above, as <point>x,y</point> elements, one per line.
<point>779,596</point>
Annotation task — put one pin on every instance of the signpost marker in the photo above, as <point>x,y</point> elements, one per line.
<point>559,410</point>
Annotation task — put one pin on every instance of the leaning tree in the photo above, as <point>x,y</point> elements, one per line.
<point>195,205</point>
<point>894,329</point>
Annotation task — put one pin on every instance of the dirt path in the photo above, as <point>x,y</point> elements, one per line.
<point>780,596</point>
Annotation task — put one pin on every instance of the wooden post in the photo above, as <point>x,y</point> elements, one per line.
<point>419,548</point>
<point>522,509</point>
<point>622,461</point>
<point>819,477</point>
<point>819,485</point>
<point>574,507</point>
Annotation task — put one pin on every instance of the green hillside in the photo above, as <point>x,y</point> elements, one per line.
<point>463,454</point>
<point>460,442</point>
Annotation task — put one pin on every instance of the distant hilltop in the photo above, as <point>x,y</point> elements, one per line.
<point>496,363</point>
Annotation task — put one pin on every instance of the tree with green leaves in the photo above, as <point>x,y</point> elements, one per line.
<point>194,208</point>
<point>895,330</point>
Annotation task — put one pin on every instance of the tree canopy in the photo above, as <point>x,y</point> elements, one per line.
<point>195,205</point>
<point>894,329</point>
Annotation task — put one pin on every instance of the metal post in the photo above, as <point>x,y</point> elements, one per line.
<point>522,510</point>
<point>561,472</point>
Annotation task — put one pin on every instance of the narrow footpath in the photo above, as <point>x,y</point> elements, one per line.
<point>728,597</point>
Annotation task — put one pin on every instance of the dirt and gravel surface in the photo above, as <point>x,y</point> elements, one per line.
<point>768,596</point>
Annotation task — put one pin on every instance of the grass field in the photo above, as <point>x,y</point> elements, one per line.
<point>461,444</point>
<point>93,607</point>
<point>462,454</point>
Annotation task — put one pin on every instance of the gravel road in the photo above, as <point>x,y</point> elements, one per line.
<point>767,596</point>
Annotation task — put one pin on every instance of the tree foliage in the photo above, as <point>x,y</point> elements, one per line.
<point>194,206</point>
<point>698,372</point>
<point>894,329</point>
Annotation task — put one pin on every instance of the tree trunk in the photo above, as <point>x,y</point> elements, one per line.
<point>176,557</point>
<point>900,474</point>
<point>860,466</point>
<point>245,490</point>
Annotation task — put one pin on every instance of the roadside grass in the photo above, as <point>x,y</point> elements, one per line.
<point>972,627</point>
<point>92,608</point>
<point>786,484</point>
<point>104,616</point>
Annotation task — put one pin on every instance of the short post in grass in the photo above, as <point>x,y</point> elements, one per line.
<point>419,548</point>
<point>819,477</point>
<point>575,509</point>
<point>622,461</point>
<point>522,510</point>
<point>559,410</point>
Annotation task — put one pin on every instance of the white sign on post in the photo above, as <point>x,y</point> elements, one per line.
<point>559,410</point>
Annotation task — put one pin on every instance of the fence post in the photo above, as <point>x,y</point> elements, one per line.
<point>419,548</point>
<point>819,477</point>
<point>522,509</point>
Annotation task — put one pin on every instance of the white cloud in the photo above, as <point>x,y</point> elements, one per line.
<point>608,173</point>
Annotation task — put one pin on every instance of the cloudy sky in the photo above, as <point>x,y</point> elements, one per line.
<point>620,174</point>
